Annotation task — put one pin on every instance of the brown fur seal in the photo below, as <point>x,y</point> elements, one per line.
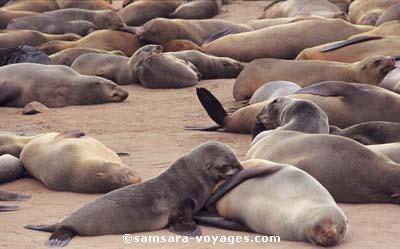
<point>71,161</point>
<point>180,45</point>
<point>343,102</point>
<point>272,90</point>
<point>367,12</point>
<point>386,29</point>
<point>66,57</point>
<point>139,12</point>
<point>166,71</point>
<point>371,70</point>
<point>107,39</point>
<point>12,38</point>
<point>21,54</point>
<point>211,67</point>
<point>34,6</point>
<point>274,42</point>
<point>13,144</point>
<point>8,196</point>
<point>350,171</point>
<point>162,30</point>
<point>103,19</point>
<point>51,25</point>
<point>197,9</point>
<point>290,8</point>
<point>266,23</point>
<point>168,200</point>
<point>11,168</point>
<point>263,201</point>
<point>349,51</point>
<point>7,15</point>
<point>54,86</point>
<point>390,14</point>
<point>119,69</point>
<point>89,5</point>
<point>376,132</point>
<point>343,5</point>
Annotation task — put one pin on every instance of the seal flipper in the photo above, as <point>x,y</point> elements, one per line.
<point>8,196</point>
<point>240,177</point>
<point>212,106</point>
<point>182,222</point>
<point>348,42</point>
<point>61,237</point>
<point>121,154</point>
<point>8,208</point>
<point>71,134</point>
<point>221,222</point>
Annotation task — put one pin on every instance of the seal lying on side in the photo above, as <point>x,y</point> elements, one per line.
<point>370,71</point>
<point>7,15</point>
<point>67,57</point>
<point>21,54</point>
<point>197,9</point>
<point>8,196</point>
<point>54,86</point>
<point>272,90</point>
<point>336,162</point>
<point>376,132</point>
<point>280,200</point>
<point>168,200</point>
<point>119,69</point>
<point>71,161</point>
<point>343,102</point>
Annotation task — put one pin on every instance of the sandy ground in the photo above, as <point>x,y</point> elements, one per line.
<point>149,125</point>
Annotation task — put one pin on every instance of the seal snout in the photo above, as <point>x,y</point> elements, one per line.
<point>327,233</point>
<point>120,94</point>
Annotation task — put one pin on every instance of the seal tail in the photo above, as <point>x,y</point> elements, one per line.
<point>8,196</point>
<point>8,208</point>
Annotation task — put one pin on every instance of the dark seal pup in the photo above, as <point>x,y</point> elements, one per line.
<point>22,54</point>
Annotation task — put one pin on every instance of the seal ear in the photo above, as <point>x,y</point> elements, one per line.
<point>182,221</point>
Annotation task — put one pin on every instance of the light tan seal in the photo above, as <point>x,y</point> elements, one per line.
<point>390,14</point>
<point>67,56</point>
<point>54,86</point>
<point>367,12</point>
<point>168,200</point>
<point>13,144</point>
<point>284,41</point>
<point>272,90</point>
<point>279,200</point>
<point>71,161</point>
<point>371,70</point>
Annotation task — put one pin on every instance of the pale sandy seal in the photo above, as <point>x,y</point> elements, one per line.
<point>54,86</point>
<point>367,12</point>
<point>71,161</point>
<point>262,197</point>
<point>390,14</point>
<point>197,9</point>
<point>13,144</point>
<point>347,169</point>
<point>67,56</point>
<point>371,70</point>
<point>168,200</point>
<point>272,90</point>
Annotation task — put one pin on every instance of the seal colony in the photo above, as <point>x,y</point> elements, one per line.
<point>315,83</point>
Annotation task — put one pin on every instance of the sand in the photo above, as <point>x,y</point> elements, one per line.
<point>150,126</point>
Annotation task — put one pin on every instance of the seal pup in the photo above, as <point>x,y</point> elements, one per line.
<point>280,200</point>
<point>54,86</point>
<point>71,161</point>
<point>334,161</point>
<point>197,9</point>
<point>67,56</point>
<point>11,168</point>
<point>8,196</point>
<point>168,200</point>
<point>272,90</point>
<point>370,70</point>
<point>119,69</point>
<point>375,132</point>
<point>21,54</point>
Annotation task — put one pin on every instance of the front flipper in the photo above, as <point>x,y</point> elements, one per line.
<point>182,222</point>
<point>221,222</point>
<point>8,196</point>
<point>8,208</point>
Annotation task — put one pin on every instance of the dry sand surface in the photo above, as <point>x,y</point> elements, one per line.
<point>149,125</point>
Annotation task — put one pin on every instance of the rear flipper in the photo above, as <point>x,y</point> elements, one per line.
<point>8,196</point>
<point>60,237</point>
<point>220,222</point>
<point>8,208</point>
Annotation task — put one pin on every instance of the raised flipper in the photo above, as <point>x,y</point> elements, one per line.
<point>71,134</point>
<point>220,222</point>
<point>182,221</point>
<point>240,177</point>
<point>348,42</point>
<point>121,154</point>
<point>8,94</point>
<point>8,208</point>
<point>8,196</point>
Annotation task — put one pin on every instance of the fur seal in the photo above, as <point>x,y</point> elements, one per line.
<point>343,102</point>
<point>350,171</point>
<point>274,42</point>
<point>197,9</point>
<point>8,196</point>
<point>21,54</point>
<point>369,133</point>
<point>71,161</point>
<point>119,69</point>
<point>67,57</point>
<point>272,90</point>
<point>347,51</point>
<point>390,14</point>
<point>168,200</point>
<point>291,8</point>
<point>103,19</point>
<point>89,5</point>
<point>180,45</point>
<point>371,70</point>
<point>36,6</point>
<point>12,38</point>
<point>122,39</point>
<point>266,23</point>
<point>274,192</point>
<point>343,5</point>
<point>7,15</point>
<point>11,168</point>
<point>166,71</point>
<point>13,144</point>
<point>139,12</point>
<point>54,86</point>
<point>390,150</point>
<point>367,12</point>
<point>162,30</point>
<point>211,67</point>
<point>51,25</point>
